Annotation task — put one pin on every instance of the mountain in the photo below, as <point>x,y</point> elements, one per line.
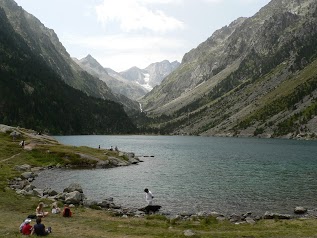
<point>118,85</point>
<point>33,92</point>
<point>255,77</point>
<point>44,42</point>
<point>158,71</point>
<point>151,75</point>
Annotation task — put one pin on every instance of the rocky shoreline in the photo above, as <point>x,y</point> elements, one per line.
<point>74,196</point>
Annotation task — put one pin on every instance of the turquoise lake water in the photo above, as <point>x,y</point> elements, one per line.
<point>192,174</point>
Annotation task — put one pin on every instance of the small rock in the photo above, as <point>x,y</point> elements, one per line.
<point>269,215</point>
<point>90,203</point>
<point>27,175</point>
<point>189,233</point>
<point>250,220</point>
<point>300,210</point>
<point>221,218</point>
<point>24,167</point>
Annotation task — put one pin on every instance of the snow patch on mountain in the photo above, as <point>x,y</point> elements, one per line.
<point>146,84</point>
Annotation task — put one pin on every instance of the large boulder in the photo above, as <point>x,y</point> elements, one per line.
<point>74,197</point>
<point>61,196</point>
<point>73,187</point>
<point>50,192</point>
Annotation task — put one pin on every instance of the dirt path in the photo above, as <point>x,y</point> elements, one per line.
<point>10,157</point>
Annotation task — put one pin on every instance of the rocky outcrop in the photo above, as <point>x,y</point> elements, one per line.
<point>123,159</point>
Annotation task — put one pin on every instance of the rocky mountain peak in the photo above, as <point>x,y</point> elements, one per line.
<point>91,62</point>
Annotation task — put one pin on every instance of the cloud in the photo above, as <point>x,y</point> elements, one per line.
<point>134,15</point>
<point>236,1</point>
<point>122,51</point>
<point>123,42</point>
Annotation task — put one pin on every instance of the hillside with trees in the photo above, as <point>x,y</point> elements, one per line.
<point>32,95</point>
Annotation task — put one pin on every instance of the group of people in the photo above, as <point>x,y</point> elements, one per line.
<point>39,228</point>
<point>111,148</point>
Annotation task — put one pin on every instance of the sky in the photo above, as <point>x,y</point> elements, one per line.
<point>121,34</point>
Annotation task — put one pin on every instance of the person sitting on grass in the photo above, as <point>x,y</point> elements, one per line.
<point>67,212</point>
<point>23,224</point>
<point>39,228</point>
<point>40,210</point>
<point>27,228</point>
<point>55,209</point>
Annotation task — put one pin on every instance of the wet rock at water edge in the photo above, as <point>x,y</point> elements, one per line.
<point>270,215</point>
<point>73,187</point>
<point>74,197</point>
<point>300,210</point>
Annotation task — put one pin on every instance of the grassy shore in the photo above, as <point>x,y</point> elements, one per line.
<point>99,223</point>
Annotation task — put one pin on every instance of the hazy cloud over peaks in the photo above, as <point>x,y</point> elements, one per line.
<point>133,15</point>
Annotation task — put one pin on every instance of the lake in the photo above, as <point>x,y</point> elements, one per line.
<point>192,174</point>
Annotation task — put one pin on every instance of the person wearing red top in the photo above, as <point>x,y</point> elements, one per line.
<point>27,228</point>
<point>67,212</point>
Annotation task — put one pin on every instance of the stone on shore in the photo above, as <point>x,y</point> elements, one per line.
<point>300,210</point>
<point>28,175</point>
<point>189,233</point>
<point>50,192</point>
<point>24,167</point>
<point>73,197</point>
<point>270,215</point>
<point>73,187</point>
<point>90,203</point>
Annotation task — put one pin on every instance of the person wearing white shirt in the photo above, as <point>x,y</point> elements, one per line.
<point>148,196</point>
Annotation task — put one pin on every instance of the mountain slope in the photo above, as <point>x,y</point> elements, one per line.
<point>33,95</point>
<point>151,75</point>
<point>120,85</point>
<point>253,77</point>
<point>43,41</point>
